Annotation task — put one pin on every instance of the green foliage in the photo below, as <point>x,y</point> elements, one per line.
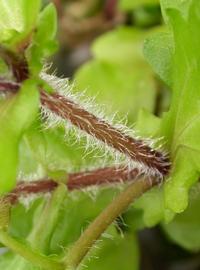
<point>115,73</point>
<point>43,44</point>
<point>17,114</point>
<point>184,229</point>
<point>183,6</point>
<point>29,27</point>
<point>158,50</point>
<point>18,19</point>
<point>47,152</point>
<point>179,126</point>
<point>127,40</point>
<point>78,208</point>
<point>19,227</point>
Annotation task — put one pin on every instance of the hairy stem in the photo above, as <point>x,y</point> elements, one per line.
<point>133,148</point>
<point>28,253</point>
<point>102,222</point>
<point>104,176</point>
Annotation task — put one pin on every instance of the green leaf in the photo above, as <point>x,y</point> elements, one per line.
<point>115,83</point>
<point>158,50</point>
<point>23,217</point>
<point>30,11</point>
<point>147,124</point>
<point>115,73</point>
<point>17,114</point>
<point>127,46</point>
<point>114,252</point>
<point>47,24</point>
<point>153,206</point>
<point>49,150</point>
<point>43,40</point>
<point>149,209</point>
<point>182,6</point>
<point>181,124</point>
<point>17,19</point>
<point>184,229</point>
<point>78,208</point>
<point>184,175</point>
<point>42,232</point>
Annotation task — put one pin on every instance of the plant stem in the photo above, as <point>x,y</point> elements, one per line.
<point>102,222</point>
<point>28,253</point>
<point>135,149</point>
<point>102,176</point>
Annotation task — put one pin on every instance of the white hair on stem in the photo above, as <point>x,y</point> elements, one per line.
<point>93,145</point>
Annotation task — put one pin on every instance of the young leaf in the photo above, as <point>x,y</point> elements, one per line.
<point>43,40</point>
<point>17,19</point>
<point>47,24</point>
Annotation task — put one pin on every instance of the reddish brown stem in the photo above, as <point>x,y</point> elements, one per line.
<point>137,150</point>
<point>80,180</point>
